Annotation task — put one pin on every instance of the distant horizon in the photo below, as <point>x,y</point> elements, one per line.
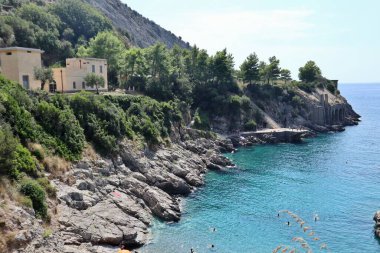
<point>331,33</point>
<point>348,83</point>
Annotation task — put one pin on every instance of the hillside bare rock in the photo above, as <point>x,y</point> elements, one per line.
<point>115,200</point>
<point>141,31</point>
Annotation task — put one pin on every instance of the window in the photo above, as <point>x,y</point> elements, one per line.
<point>29,52</point>
<point>93,68</point>
<point>101,69</point>
<point>83,85</point>
<point>25,82</point>
<point>74,85</point>
<point>9,53</point>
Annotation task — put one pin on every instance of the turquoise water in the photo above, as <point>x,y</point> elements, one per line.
<point>334,176</point>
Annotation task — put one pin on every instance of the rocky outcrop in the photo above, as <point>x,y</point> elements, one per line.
<point>318,110</point>
<point>141,31</point>
<point>116,199</point>
<point>376,218</point>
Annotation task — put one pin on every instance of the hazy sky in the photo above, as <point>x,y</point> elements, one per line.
<point>342,36</point>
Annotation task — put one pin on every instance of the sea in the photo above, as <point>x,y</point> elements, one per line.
<point>330,184</point>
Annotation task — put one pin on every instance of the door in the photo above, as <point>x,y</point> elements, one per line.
<point>25,82</point>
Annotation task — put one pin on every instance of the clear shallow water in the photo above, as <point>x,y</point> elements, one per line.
<point>336,176</point>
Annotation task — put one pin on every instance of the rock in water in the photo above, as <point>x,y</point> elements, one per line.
<point>376,218</point>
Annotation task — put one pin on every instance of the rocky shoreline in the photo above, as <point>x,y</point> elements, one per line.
<point>103,201</point>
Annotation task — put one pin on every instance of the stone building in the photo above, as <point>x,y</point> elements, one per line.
<point>18,64</point>
<point>71,78</point>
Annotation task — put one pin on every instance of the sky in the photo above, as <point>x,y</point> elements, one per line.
<point>341,36</point>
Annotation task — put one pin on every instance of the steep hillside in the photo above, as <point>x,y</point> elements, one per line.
<point>141,31</point>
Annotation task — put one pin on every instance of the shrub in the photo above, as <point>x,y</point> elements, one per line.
<point>250,126</point>
<point>8,144</point>
<point>37,150</point>
<point>25,201</point>
<point>55,165</point>
<point>246,104</point>
<point>201,120</point>
<point>23,162</point>
<point>50,190</point>
<point>297,101</point>
<point>331,87</point>
<point>234,104</point>
<point>36,193</point>
<point>63,125</point>
<point>47,233</point>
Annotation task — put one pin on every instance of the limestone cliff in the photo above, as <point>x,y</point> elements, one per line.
<point>318,110</point>
<point>141,31</point>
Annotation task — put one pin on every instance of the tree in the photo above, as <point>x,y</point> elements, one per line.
<point>93,79</point>
<point>273,69</point>
<point>285,75</point>
<point>7,37</point>
<point>263,71</point>
<point>310,72</point>
<point>132,64</point>
<point>44,75</point>
<point>158,62</point>
<point>106,45</point>
<point>250,68</point>
<point>222,67</point>
<point>176,61</point>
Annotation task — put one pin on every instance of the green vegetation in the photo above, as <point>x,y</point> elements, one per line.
<point>310,72</point>
<point>40,132</point>
<point>58,29</point>
<point>36,193</point>
<point>250,69</point>
<point>250,126</point>
<point>44,75</point>
<point>93,80</point>
<point>59,125</point>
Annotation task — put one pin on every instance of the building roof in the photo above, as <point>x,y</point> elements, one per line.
<point>88,58</point>
<point>21,49</point>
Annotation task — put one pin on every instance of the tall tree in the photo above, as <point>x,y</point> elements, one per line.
<point>132,64</point>
<point>285,75</point>
<point>157,58</point>
<point>94,80</point>
<point>310,72</point>
<point>273,70</point>
<point>106,45</point>
<point>176,61</point>
<point>44,75</point>
<point>250,68</point>
<point>263,71</point>
<point>222,69</point>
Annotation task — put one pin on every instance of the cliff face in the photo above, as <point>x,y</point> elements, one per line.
<point>318,110</point>
<point>141,31</point>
